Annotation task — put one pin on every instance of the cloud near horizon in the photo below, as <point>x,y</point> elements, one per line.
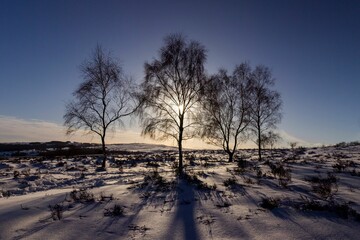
<point>287,138</point>
<point>13,129</point>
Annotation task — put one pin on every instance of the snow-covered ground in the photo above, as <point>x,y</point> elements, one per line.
<point>300,194</point>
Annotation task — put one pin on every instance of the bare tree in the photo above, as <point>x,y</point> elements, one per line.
<point>293,146</point>
<point>269,140</point>
<point>226,108</point>
<point>171,91</point>
<point>102,99</point>
<point>266,104</point>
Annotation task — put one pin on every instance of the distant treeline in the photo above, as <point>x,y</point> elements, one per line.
<point>349,144</point>
<point>54,148</point>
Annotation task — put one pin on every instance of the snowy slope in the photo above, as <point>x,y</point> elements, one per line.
<point>311,194</point>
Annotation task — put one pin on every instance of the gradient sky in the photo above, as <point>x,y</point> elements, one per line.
<point>312,47</point>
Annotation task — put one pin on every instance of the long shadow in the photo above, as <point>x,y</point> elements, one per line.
<point>184,217</point>
<point>316,216</point>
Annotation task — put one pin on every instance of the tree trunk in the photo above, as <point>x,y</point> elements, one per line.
<point>231,156</point>
<point>259,142</point>
<point>104,152</point>
<point>180,152</point>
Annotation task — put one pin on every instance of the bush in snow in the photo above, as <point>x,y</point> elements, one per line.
<point>283,174</point>
<point>341,165</point>
<point>116,211</point>
<point>324,187</point>
<point>270,203</point>
<point>230,182</point>
<point>193,179</point>
<point>56,211</point>
<point>5,193</point>
<point>103,197</point>
<point>248,180</point>
<point>82,195</point>
<point>310,204</point>
<point>154,179</point>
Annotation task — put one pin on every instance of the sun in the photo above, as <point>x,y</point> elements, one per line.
<point>180,108</point>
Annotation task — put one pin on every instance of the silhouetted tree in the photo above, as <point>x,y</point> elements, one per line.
<point>102,99</point>
<point>266,104</point>
<point>269,140</point>
<point>171,91</point>
<point>226,109</point>
<point>293,148</point>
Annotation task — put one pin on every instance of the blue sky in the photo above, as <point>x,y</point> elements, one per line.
<point>312,47</point>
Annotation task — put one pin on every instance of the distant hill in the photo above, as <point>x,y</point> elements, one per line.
<point>58,148</point>
<point>144,147</point>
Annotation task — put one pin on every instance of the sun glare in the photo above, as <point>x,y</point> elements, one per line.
<point>180,108</point>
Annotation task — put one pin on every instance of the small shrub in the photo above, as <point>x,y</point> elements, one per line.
<point>223,205</point>
<point>300,151</point>
<point>270,203</point>
<point>248,180</point>
<point>32,178</point>
<point>340,165</point>
<point>340,145</point>
<point>278,170</point>
<point>16,174</point>
<point>80,175</point>
<point>56,211</point>
<point>60,164</point>
<point>202,174</point>
<point>283,174</point>
<point>104,197</point>
<point>5,193</point>
<point>193,179</point>
<point>152,164</point>
<point>355,173</point>
<point>342,210</point>
<point>204,186</point>
<point>241,163</point>
<point>230,182</point>
<point>116,211</point>
<point>140,229</point>
<point>331,178</point>
<point>311,204</point>
<point>99,169</point>
<point>239,171</point>
<point>24,207</point>
<point>155,179</point>
<point>206,164</point>
<point>259,173</point>
<point>82,195</point>
<point>26,172</point>
<point>324,187</point>
<point>284,181</point>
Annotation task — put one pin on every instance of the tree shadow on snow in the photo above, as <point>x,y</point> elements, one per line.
<point>184,217</point>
